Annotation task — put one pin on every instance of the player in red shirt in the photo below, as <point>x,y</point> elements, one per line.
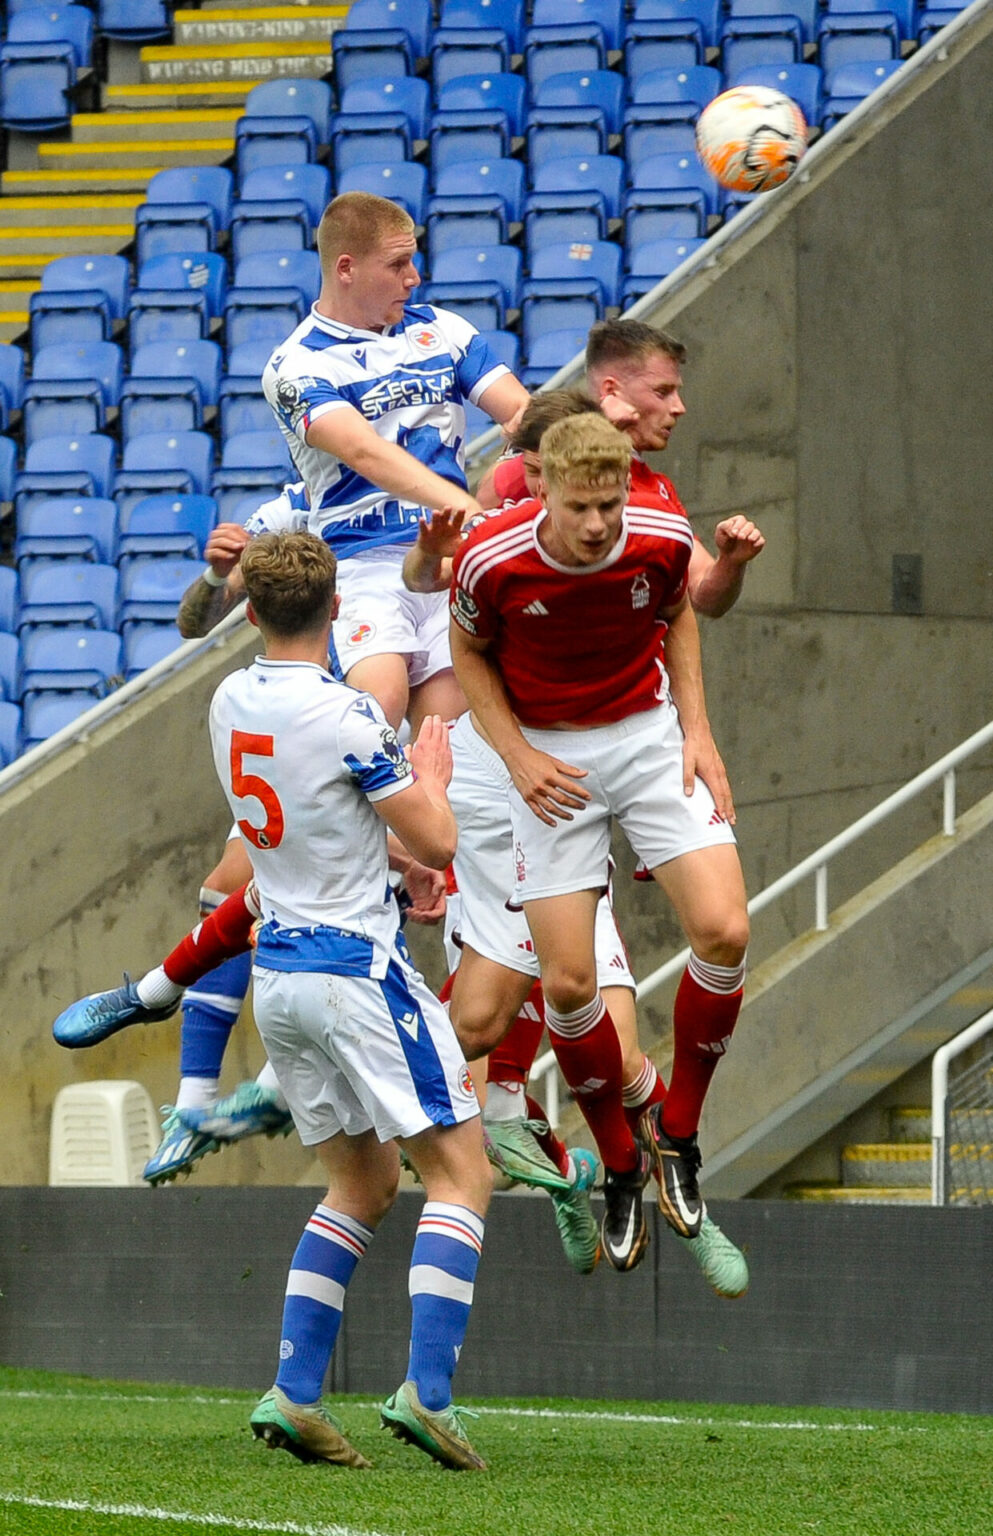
<point>559,617</point>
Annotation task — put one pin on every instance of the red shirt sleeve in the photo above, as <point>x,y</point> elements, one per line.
<point>509,484</point>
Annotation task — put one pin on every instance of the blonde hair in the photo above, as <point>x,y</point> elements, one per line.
<point>290,581</point>
<point>355,223</point>
<point>585,451</point>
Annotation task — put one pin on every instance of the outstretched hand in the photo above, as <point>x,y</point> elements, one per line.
<point>438,535</point>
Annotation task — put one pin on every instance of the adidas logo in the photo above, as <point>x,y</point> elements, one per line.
<point>537,609</point>
<point>717,1047</point>
<point>716,820</point>
<point>619,963</point>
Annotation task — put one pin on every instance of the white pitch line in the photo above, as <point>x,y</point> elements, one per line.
<point>584,1415</point>
<point>183,1516</point>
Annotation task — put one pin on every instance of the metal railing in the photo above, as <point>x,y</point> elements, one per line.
<point>940,1138</point>
<point>814,867</point>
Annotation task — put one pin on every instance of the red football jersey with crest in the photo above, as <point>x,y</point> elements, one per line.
<point>574,644</point>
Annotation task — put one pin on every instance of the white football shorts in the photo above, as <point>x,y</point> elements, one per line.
<point>353,1054</point>
<point>485,914</point>
<point>380,617</point>
<point>634,772</point>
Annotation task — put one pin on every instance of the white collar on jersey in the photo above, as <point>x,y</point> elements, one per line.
<point>580,570</point>
<point>340,329</point>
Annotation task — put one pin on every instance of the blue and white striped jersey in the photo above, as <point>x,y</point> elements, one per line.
<point>410,383</point>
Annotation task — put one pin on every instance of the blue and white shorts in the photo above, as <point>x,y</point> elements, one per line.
<point>379,616</point>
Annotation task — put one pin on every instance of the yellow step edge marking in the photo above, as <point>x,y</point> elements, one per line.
<point>176,115</point>
<point>72,200</point>
<point>180,88</point>
<point>19,285</point>
<point>68,232</point>
<point>18,178</point>
<point>889,1152</point>
<point>269,50</point>
<point>40,258</point>
<point>265,13</point>
<point>133,147</point>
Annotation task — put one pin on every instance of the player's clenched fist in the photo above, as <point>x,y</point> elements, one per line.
<point>738,539</point>
<point>224,546</point>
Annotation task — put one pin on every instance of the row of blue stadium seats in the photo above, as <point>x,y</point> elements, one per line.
<point>93,528</point>
<point>93,595</point>
<point>71,658</point>
<point>137,21</point>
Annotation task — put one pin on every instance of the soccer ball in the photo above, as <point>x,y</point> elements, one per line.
<point>751,138</point>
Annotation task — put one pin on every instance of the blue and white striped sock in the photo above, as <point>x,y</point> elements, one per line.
<point>442,1271</point>
<point>322,1266</point>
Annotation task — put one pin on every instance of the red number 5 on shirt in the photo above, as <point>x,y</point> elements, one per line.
<point>244,744</point>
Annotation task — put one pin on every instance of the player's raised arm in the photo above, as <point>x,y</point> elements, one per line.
<point>505,400</point>
<point>213,595</point>
<point>700,754</point>
<point>345,433</point>
<point>427,566</point>
<point>715,585</point>
<point>420,814</point>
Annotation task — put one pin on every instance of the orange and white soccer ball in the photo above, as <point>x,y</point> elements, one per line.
<point>751,138</point>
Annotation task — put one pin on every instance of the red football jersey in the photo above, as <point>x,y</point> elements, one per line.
<point>576,644</point>
<point>509,484</point>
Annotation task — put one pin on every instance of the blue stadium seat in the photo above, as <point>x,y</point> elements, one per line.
<point>605,174</point>
<point>81,465</point>
<point>555,141</point>
<point>848,39</point>
<point>162,228</point>
<point>285,269</point>
<point>202,272</point>
<point>599,259</point>
<point>414,16</point>
<point>170,386</point>
<point>295,98</point>
<point>608,14</point>
<point>454,221</point>
<point>749,41</point>
<point>55,24</point>
<point>671,172</point>
<point>403,184</point>
<point>649,264</point>
<point>239,489</point>
<point>192,452</point>
<point>709,13</point>
<point>905,11</point>
<point>851,83</point>
<point>45,714</point>
<point>507,14</point>
<point>167,314</point>
<point>68,527</point>
<point>8,598</point>
<point>487,92</point>
<point>258,226</point>
<point>549,307</point>
<point>263,315</point>
<point>486,264</point>
<point>361,52</point>
<point>803,82</point>
<point>68,592</point>
<point>240,507</point>
<point>8,468</point>
<point>111,275</point>
<point>506,346</point>
<point>652,45</point>
<point>488,178</point>
<point>37,82</point>
<point>805,11</point>
<point>258,450</point>
<point>645,134</point>
<point>247,359</point>
<point>63,318</point>
<point>145,644</point>
<point>151,590</point>
<point>210,186</point>
<point>550,218</point>
<point>550,351</point>
<point>554,50</point>
<point>931,19</point>
<point>11,382</point>
<point>10,670</point>
<point>81,380</point>
<point>460,136</point>
<point>70,659</point>
<point>273,141</point>
<point>308,184</point>
<point>594,90</point>
<point>386,94</point>
<point>10,733</point>
<point>168,525</point>
<point>482,304</point>
<point>370,139</point>
<point>135,21</point>
<point>679,89</point>
<point>458,51</point>
<point>643,225</point>
<point>242,406</point>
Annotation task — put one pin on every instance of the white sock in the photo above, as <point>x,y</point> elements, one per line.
<point>505,1101</point>
<point>155,989</point>
<point>197,1093</point>
<point>267,1079</point>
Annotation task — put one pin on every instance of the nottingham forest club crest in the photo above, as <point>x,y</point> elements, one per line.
<point>640,591</point>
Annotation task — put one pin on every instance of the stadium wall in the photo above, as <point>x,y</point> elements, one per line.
<point>856,1308</point>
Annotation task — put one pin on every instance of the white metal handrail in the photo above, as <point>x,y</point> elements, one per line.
<point>816,865</point>
<point>943,1057</point>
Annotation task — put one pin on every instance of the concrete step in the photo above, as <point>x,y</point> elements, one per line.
<point>910,1124</point>
<point>103,178</point>
<point>205,94</point>
<point>837,1194</point>
<point>15,317</point>
<point>103,208</point>
<point>122,153</point>
<point>13,322</point>
<point>963,1124</point>
<point>892,1164</point>
<point>236,61</point>
<point>72,239</point>
<point>271,23</point>
<point>27,265</point>
<point>184,123</point>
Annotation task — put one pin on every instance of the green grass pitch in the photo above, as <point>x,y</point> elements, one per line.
<point>86,1458</point>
